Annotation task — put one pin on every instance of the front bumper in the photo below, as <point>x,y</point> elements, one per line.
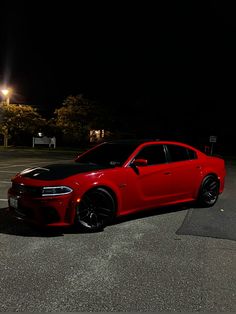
<point>42,211</point>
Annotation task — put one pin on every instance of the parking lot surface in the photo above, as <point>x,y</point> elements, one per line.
<point>175,259</point>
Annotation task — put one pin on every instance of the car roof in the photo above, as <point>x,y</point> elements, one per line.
<point>131,141</point>
<point>137,143</point>
<point>146,141</point>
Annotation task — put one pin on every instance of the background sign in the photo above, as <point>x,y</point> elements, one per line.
<point>213,139</point>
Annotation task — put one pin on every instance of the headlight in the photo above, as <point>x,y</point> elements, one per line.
<point>55,190</point>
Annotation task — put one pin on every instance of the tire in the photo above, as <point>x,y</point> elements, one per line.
<point>95,210</point>
<point>209,191</point>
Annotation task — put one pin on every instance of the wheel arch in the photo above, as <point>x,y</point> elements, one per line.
<point>110,190</point>
<point>210,174</point>
<point>204,176</point>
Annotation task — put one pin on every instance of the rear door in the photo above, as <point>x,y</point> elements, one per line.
<point>185,170</point>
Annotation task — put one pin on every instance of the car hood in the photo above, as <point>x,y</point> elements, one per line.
<point>59,171</point>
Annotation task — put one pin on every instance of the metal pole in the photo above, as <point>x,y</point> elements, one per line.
<point>212,148</point>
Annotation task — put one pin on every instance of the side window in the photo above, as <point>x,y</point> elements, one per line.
<point>154,154</point>
<point>192,154</point>
<point>178,153</point>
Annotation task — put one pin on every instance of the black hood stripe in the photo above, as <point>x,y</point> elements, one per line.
<point>60,171</point>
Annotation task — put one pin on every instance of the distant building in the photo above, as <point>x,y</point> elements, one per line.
<point>98,135</point>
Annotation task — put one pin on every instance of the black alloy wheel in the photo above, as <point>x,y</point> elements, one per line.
<point>209,191</point>
<point>95,210</point>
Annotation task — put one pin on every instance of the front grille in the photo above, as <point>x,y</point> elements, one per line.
<point>24,212</point>
<point>21,189</point>
<point>45,215</point>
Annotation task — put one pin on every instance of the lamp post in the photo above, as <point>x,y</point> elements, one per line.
<point>6,95</point>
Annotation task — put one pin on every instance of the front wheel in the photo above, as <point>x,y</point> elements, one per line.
<point>95,210</point>
<point>209,191</point>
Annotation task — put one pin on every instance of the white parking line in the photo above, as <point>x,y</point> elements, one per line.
<point>34,163</point>
<point>24,165</point>
<point>4,165</point>
<point>5,171</point>
<point>5,182</point>
<point>3,199</point>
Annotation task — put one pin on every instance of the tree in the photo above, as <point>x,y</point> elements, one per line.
<point>78,115</point>
<point>17,119</point>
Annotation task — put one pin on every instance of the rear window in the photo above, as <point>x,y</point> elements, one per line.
<point>180,153</point>
<point>192,154</point>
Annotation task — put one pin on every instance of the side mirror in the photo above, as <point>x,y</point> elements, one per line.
<point>140,162</point>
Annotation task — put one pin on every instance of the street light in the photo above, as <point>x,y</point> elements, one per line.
<point>6,95</point>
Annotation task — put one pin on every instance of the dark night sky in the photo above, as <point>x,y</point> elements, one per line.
<point>178,58</point>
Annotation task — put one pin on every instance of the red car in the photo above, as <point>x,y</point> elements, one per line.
<point>114,179</point>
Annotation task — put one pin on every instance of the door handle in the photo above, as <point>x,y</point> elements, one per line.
<point>167,173</point>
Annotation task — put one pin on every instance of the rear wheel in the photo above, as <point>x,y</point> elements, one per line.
<point>95,210</point>
<point>209,191</point>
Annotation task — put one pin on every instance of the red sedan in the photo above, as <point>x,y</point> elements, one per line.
<point>114,179</point>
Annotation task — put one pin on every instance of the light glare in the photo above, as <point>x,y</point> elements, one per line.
<point>5,92</point>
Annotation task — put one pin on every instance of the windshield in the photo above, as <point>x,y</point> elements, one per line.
<point>110,154</point>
